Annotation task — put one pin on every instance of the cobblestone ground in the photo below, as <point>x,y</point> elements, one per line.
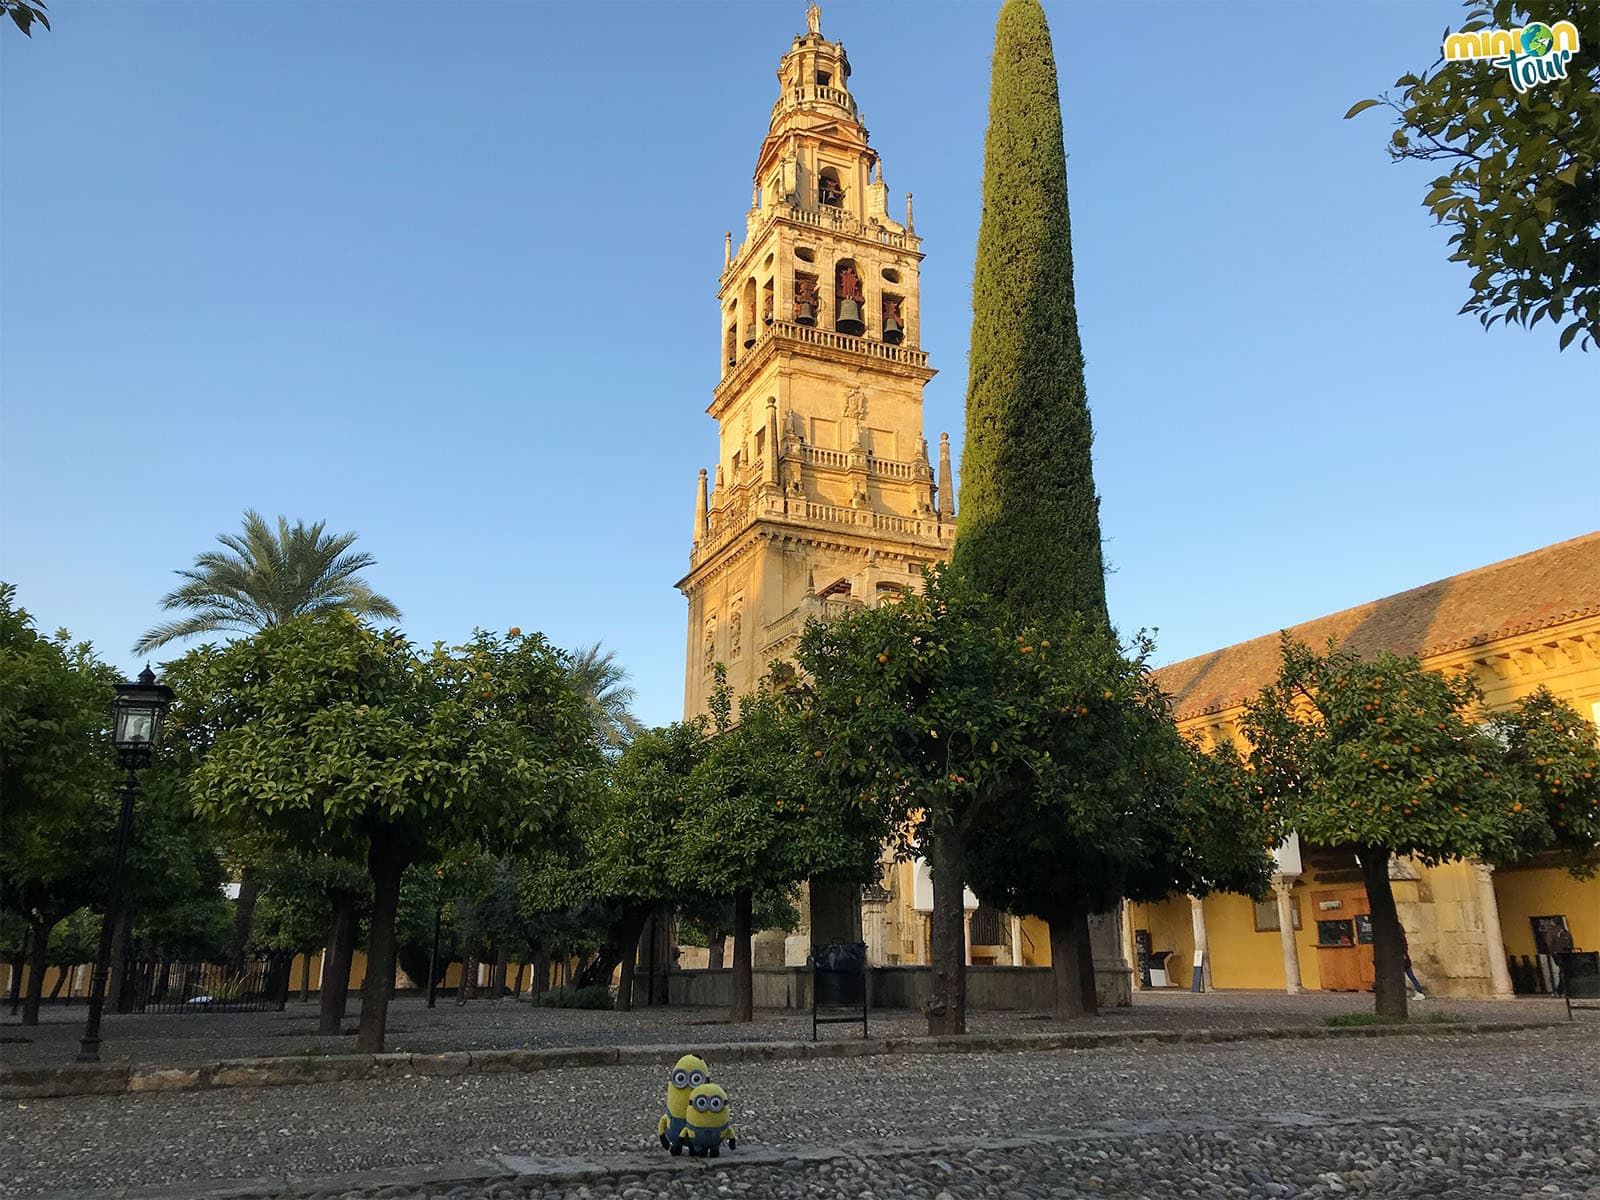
<point>512,1025</point>
<point>1501,1114</point>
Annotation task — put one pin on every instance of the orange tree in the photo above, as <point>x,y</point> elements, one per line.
<point>1387,759</point>
<point>758,818</point>
<point>1555,753</point>
<point>1118,805</point>
<point>342,741</point>
<point>628,834</point>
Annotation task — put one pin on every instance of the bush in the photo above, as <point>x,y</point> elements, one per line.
<point>569,997</point>
<point>1366,1018</point>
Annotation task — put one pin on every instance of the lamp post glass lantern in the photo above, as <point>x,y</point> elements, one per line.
<point>136,732</point>
<point>137,713</point>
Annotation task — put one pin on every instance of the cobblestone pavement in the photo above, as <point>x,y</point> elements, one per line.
<point>1500,1114</point>
<point>511,1025</point>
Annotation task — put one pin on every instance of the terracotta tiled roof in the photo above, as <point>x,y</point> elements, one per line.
<point>1520,595</point>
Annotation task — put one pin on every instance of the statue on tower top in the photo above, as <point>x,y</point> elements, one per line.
<point>813,19</point>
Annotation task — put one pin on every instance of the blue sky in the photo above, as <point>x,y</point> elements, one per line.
<point>445,275</point>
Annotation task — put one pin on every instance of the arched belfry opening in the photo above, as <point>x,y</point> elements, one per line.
<point>851,298</point>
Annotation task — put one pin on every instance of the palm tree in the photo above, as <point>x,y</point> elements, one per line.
<point>601,681</point>
<point>265,577</point>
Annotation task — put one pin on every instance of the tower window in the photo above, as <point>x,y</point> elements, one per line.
<point>805,299</point>
<point>824,79</point>
<point>894,329</point>
<point>829,190</point>
<point>851,298</point>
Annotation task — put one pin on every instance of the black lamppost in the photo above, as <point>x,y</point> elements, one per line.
<point>136,731</point>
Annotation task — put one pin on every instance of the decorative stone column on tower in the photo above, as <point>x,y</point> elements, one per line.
<point>818,409</point>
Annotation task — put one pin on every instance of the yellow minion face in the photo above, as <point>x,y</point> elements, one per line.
<point>688,1073</point>
<point>708,1107</point>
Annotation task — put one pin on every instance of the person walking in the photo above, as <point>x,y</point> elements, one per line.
<point>1410,974</point>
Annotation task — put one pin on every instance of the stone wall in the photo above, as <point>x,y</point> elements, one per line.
<point>988,988</point>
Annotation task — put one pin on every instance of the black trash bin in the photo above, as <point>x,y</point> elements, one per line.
<point>838,982</point>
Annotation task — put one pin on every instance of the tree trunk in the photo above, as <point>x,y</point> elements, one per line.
<point>18,962</point>
<point>1388,942</point>
<point>386,864</point>
<point>630,928</point>
<point>743,985</point>
<point>497,974</point>
<point>119,995</point>
<point>947,1003</point>
<point>541,973</point>
<point>336,961</point>
<point>38,948</point>
<point>714,949</point>
<point>467,985</point>
<point>1066,974</point>
<point>1086,980</point>
<point>244,919</point>
<point>62,972</point>
<point>516,988</point>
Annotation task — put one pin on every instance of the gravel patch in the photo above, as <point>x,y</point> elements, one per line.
<point>1162,1113</point>
<point>194,1038</point>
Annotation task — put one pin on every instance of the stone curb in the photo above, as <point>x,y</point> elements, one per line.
<point>18,1083</point>
<point>521,1171</point>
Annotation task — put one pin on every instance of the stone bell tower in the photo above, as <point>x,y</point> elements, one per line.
<point>824,494</point>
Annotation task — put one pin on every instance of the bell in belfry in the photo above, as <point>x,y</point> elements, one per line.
<point>749,336</point>
<point>893,331</point>
<point>805,301</point>
<point>850,317</point>
<point>849,289</point>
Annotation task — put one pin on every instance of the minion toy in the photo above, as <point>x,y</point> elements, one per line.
<point>709,1122</point>
<point>688,1073</point>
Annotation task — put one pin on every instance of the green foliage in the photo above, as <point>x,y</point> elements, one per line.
<point>1351,1020</point>
<point>630,833</point>
<point>330,731</point>
<point>1029,527</point>
<point>704,918</point>
<point>343,742</point>
<point>266,577</point>
<point>57,770</point>
<point>24,13</point>
<point>1049,753</point>
<point>1521,189</point>
<point>294,909</point>
<point>1555,754</point>
<point>567,997</point>
<point>1380,753</point>
<point>602,683</point>
<point>759,817</point>
<point>196,928</point>
<point>55,709</point>
<point>923,710</point>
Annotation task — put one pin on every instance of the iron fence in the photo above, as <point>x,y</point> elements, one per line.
<point>154,983</point>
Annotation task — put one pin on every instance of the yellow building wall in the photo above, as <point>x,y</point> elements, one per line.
<point>1545,891</point>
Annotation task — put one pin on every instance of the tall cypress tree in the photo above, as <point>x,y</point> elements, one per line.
<point>1029,529</point>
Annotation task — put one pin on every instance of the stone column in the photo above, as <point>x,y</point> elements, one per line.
<point>1493,942</point>
<point>966,935</point>
<point>1197,917</point>
<point>1282,885</point>
<point>1130,951</point>
<point>1016,942</point>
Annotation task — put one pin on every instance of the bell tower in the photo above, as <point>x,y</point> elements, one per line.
<point>823,494</point>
